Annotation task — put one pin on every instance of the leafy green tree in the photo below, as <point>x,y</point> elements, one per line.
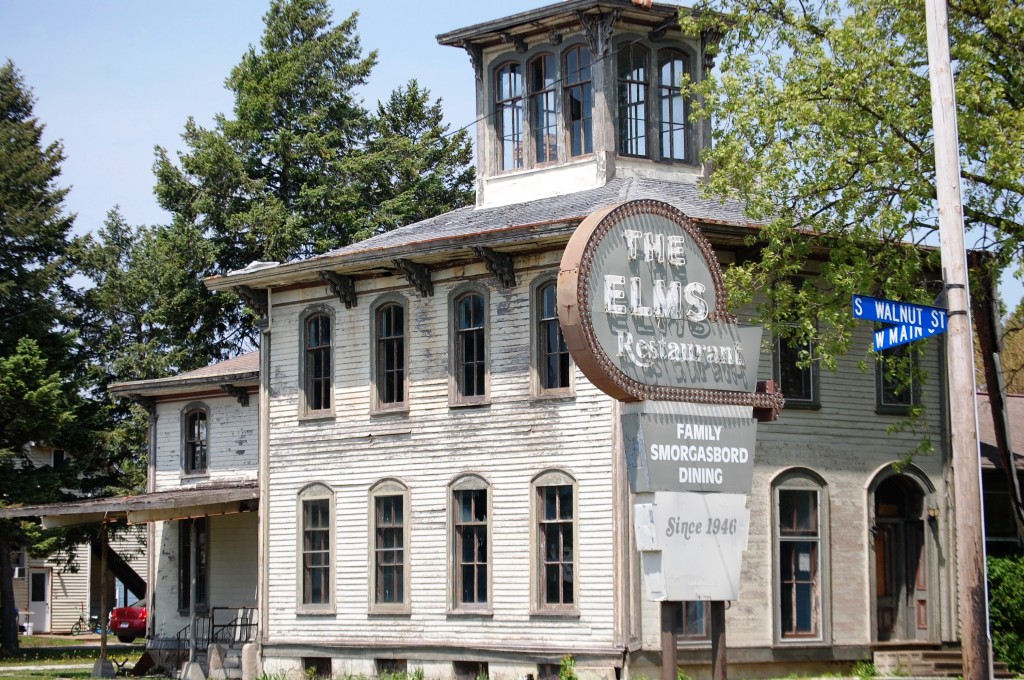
<point>36,347</point>
<point>823,127</point>
<point>270,183</point>
<point>1006,602</point>
<point>412,168</point>
<point>1013,351</point>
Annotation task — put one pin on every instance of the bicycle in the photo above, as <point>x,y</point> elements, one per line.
<point>83,624</point>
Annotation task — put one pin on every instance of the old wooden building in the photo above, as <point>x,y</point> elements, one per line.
<point>441,489</point>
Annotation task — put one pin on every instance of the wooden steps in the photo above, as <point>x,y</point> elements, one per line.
<point>927,663</point>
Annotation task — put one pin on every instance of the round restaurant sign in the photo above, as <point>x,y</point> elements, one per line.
<point>642,307</point>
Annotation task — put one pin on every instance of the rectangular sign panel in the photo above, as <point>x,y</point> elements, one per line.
<point>708,449</point>
<point>691,544</point>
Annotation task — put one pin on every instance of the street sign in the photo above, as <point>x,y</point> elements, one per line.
<point>910,322</point>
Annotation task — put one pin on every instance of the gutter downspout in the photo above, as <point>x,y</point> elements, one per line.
<point>262,594</point>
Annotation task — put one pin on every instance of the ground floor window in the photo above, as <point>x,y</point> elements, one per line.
<point>798,528</point>
<point>202,534</point>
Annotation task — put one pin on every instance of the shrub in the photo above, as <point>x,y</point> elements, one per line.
<point>1006,609</point>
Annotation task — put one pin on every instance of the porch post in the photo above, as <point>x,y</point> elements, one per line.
<point>193,562</point>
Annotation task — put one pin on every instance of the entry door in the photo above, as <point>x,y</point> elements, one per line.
<point>901,564</point>
<point>39,600</point>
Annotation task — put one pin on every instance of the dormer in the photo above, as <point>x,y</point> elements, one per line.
<point>573,94</point>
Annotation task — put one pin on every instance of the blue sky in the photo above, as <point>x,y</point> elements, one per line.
<point>114,78</point>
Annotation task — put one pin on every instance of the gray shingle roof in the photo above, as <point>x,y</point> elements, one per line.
<point>468,222</point>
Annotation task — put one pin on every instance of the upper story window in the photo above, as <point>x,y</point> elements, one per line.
<point>316,538</point>
<point>898,388</point>
<point>634,80</point>
<point>508,93</point>
<point>317,362</point>
<point>672,64</point>
<point>390,359</point>
<point>545,114</point>
<point>554,367</point>
<point>650,102</point>
<point>796,373</point>
<point>542,105</point>
<point>469,345</point>
<point>579,101</point>
<point>195,439</point>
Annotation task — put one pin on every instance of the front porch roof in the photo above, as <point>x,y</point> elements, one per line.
<point>204,501</point>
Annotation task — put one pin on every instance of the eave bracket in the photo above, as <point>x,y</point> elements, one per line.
<point>344,287</point>
<point>499,264</point>
<point>416,274</point>
<point>239,393</point>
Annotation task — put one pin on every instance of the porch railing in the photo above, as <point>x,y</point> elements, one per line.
<point>230,626</point>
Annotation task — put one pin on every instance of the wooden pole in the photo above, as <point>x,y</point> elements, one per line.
<point>669,641</point>
<point>718,640</point>
<point>970,545</point>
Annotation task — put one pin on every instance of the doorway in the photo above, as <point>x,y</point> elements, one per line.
<point>901,561</point>
<point>39,600</point>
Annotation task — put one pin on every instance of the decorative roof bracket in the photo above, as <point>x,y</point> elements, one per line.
<point>344,287</point>
<point>709,39</point>
<point>239,393</point>
<point>520,44</point>
<point>476,58</point>
<point>257,299</point>
<point>416,274</point>
<point>597,28</point>
<point>148,403</point>
<point>499,264</point>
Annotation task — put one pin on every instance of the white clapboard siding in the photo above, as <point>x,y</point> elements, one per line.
<point>232,448</point>
<point>507,442</point>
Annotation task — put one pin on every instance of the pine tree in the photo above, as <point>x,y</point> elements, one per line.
<point>35,345</point>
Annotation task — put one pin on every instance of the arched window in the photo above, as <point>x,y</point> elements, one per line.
<point>543,81</point>
<point>579,101</point>
<point>470,347</point>
<point>554,367</point>
<point>634,80</point>
<point>389,536</point>
<point>470,521</point>
<point>390,350</point>
<point>317,362</point>
<point>556,548</point>
<point>316,543</point>
<point>508,92</point>
<point>195,439</point>
<point>672,64</point>
<point>800,510</point>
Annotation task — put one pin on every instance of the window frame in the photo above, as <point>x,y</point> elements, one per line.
<point>456,395</point>
<point>185,564</point>
<point>381,304</point>
<point>510,103</point>
<point>387,488</point>
<point>653,123</point>
<point>315,492</point>
<point>546,93</point>
<point>185,462</point>
<point>801,480</point>
<point>538,604</point>
<point>467,483</point>
<point>882,358</point>
<point>537,326</point>
<point>814,401</point>
<point>560,111</point>
<point>570,81</point>
<point>305,387</point>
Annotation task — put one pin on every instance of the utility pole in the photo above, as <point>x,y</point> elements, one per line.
<point>970,544</point>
